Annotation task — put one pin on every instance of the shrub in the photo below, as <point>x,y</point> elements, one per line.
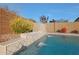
<point>64,30</point>
<point>20,25</point>
<point>58,31</point>
<point>74,31</point>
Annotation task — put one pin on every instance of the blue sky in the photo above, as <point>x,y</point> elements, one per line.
<point>53,10</point>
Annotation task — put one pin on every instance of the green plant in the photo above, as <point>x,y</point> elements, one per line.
<point>20,25</point>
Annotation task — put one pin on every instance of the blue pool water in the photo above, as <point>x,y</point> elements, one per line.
<point>53,45</point>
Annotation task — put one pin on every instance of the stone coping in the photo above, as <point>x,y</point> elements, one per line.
<point>9,42</point>
<point>68,34</point>
<point>19,38</point>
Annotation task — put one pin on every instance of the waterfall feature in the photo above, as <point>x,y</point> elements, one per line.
<point>41,44</point>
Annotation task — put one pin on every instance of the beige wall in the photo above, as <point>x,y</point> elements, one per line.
<point>5,17</point>
<point>58,26</point>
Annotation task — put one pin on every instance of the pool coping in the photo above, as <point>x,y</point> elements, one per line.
<point>68,34</point>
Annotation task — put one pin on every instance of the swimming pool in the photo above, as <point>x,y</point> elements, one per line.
<point>53,45</point>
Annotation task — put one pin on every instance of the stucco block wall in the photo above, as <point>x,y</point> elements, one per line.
<point>36,28</point>
<point>49,27</point>
<point>5,17</point>
<point>58,26</point>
